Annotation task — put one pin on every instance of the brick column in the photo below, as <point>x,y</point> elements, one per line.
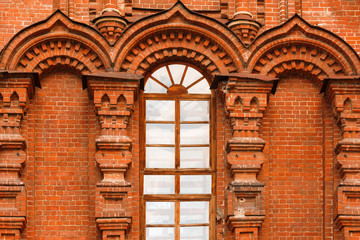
<point>114,95</point>
<point>15,88</point>
<point>343,94</point>
<point>245,98</point>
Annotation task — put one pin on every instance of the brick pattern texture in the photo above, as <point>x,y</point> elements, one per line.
<point>81,142</point>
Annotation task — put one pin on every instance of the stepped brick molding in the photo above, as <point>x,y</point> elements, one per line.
<point>15,90</point>
<point>245,99</point>
<point>342,94</point>
<point>114,95</point>
<point>113,46</point>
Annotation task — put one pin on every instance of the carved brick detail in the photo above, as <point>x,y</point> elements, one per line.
<point>111,24</point>
<point>305,58</point>
<point>15,90</point>
<point>343,95</point>
<point>245,101</point>
<point>114,95</point>
<point>178,43</point>
<point>54,52</point>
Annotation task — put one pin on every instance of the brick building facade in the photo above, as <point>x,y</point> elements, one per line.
<point>144,119</point>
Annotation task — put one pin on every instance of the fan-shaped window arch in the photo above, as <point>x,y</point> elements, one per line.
<point>177,167</point>
<point>177,78</point>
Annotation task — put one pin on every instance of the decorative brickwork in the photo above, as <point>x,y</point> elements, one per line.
<point>66,43</point>
<point>343,95</point>
<point>269,148</point>
<point>15,90</point>
<point>245,101</point>
<point>114,95</point>
<point>178,34</point>
<point>296,46</point>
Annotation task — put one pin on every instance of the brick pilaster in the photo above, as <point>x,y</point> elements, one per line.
<point>15,88</point>
<point>114,95</point>
<point>343,94</point>
<point>245,98</point>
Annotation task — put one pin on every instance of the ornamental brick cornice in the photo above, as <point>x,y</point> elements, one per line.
<point>297,46</point>
<point>178,33</point>
<point>57,41</point>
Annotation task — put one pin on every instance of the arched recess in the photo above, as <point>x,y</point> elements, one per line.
<point>57,41</point>
<point>181,34</point>
<point>298,46</point>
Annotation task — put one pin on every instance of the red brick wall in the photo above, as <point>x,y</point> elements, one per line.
<point>339,16</point>
<point>296,126</point>
<point>61,177</point>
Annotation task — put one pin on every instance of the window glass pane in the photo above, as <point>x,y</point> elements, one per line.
<point>194,233</point>
<point>194,157</point>
<point>194,212</point>
<point>194,133</point>
<point>200,87</point>
<point>191,76</point>
<point>159,184</point>
<point>160,133</point>
<point>160,157</point>
<point>194,111</point>
<point>160,110</point>
<point>195,184</point>
<point>162,75</point>
<point>160,233</point>
<point>177,71</point>
<point>160,212</point>
<point>153,87</point>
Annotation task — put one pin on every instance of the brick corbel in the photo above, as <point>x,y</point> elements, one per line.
<point>343,94</point>
<point>114,95</point>
<point>16,88</point>
<point>245,98</point>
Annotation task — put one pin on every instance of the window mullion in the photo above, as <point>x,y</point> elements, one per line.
<point>177,220</point>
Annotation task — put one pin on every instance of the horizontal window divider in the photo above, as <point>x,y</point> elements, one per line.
<point>160,122</point>
<point>173,197</point>
<point>194,122</point>
<point>194,225</point>
<point>188,96</point>
<point>160,145</point>
<point>182,171</point>
<point>160,225</point>
<point>194,145</point>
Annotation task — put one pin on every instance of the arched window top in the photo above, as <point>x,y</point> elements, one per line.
<point>177,79</point>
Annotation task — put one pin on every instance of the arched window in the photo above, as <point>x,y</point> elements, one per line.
<point>178,168</point>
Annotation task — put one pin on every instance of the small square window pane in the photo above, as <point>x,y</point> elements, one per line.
<point>200,87</point>
<point>159,184</point>
<point>160,157</point>
<point>160,133</point>
<point>194,111</point>
<point>194,157</point>
<point>194,133</point>
<point>195,184</point>
<point>160,110</point>
<point>153,87</point>
<point>194,212</point>
<point>160,212</point>
<point>160,233</point>
<point>194,233</point>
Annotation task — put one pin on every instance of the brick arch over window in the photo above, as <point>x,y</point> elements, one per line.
<point>57,41</point>
<point>179,32</point>
<point>298,46</point>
